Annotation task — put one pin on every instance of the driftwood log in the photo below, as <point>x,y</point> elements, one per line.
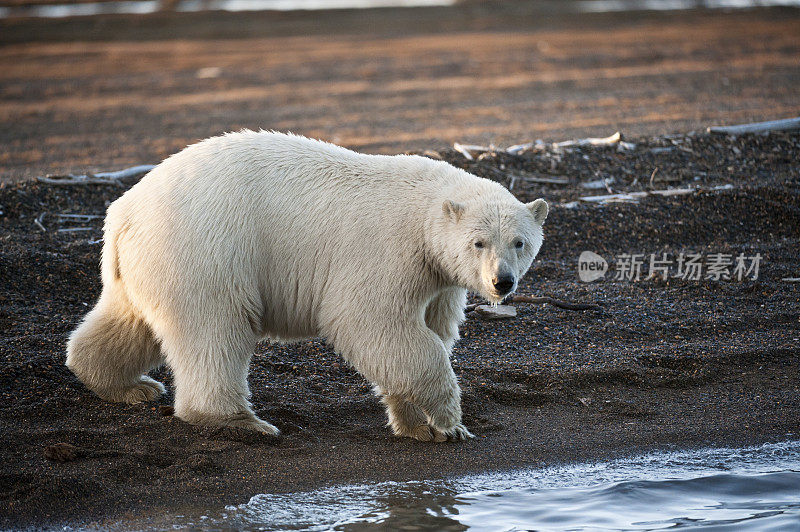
<point>100,178</point>
<point>786,124</point>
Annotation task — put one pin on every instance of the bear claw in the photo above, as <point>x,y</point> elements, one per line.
<point>429,433</point>
<point>255,424</point>
<point>146,389</point>
<point>459,433</point>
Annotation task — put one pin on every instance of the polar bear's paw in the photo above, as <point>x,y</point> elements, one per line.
<point>145,389</point>
<point>457,433</point>
<point>251,422</point>
<point>429,433</point>
<point>421,433</point>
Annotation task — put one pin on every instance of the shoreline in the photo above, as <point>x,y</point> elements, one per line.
<point>111,92</point>
<point>391,499</point>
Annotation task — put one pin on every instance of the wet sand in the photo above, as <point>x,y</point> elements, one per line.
<point>665,364</point>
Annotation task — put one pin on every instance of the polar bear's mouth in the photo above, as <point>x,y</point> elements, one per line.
<point>495,298</point>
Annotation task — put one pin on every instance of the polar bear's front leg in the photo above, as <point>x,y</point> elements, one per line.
<point>210,369</point>
<point>408,420</point>
<point>416,383</point>
<point>405,418</point>
<point>445,313</point>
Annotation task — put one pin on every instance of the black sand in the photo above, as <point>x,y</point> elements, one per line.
<point>666,364</point>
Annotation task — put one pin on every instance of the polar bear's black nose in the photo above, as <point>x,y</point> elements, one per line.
<point>503,284</point>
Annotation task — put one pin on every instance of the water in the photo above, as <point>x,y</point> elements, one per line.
<point>754,488</point>
<point>139,7</point>
<point>607,6</point>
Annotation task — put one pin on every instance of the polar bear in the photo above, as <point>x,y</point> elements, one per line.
<point>255,235</point>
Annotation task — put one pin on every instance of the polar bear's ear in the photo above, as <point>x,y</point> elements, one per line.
<point>452,210</point>
<point>539,210</point>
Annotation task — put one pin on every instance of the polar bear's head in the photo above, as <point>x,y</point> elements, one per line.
<point>489,244</point>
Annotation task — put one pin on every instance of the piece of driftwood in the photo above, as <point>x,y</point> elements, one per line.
<point>660,150</point>
<point>604,141</point>
<point>467,149</point>
<point>633,196</point>
<point>519,148</point>
<point>512,182</point>
<point>432,154</point>
<point>555,302</point>
<point>785,124</point>
<point>547,180</point>
<point>38,221</point>
<point>653,176</point>
<point>78,217</point>
<point>599,183</point>
<point>100,178</point>
<point>542,301</point>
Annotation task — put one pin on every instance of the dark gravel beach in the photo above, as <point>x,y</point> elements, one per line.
<point>664,363</point>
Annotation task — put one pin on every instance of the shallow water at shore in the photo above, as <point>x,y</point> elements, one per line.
<point>140,7</point>
<point>713,489</point>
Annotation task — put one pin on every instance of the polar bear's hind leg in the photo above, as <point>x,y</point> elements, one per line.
<point>210,367</point>
<point>113,348</point>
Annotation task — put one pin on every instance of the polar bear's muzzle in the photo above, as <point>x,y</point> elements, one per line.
<point>503,284</point>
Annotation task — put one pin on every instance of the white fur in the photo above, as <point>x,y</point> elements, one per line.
<point>252,235</point>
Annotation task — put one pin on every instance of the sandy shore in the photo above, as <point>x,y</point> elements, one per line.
<point>106,92</point>
<point>666,363</point>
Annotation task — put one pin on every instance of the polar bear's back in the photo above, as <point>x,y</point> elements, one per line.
<point>291,226</point>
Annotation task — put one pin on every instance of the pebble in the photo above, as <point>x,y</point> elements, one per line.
<point>500,312</point>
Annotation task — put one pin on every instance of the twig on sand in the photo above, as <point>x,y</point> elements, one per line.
<point>100,178</point>
<point>604,141</point>
<point>78,217</point>
<point>38,221</point>
<point>467,149</point>
<point>555,302</point>
<point>634,196</point>
<point>519,148</point>
<point>547,180</point>
<point>757,127</point>
<point>653,176</point>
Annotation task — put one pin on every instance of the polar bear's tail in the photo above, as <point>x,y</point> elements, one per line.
<point>114,347</point>
<point>112,232</point>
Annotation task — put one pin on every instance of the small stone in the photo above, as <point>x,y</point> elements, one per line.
<point>61,452</point>
<point>166,410</point>
<point>500,312</point>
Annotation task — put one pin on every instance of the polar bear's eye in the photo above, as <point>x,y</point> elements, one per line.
<point>519,244</point>
<point>479,244</point>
